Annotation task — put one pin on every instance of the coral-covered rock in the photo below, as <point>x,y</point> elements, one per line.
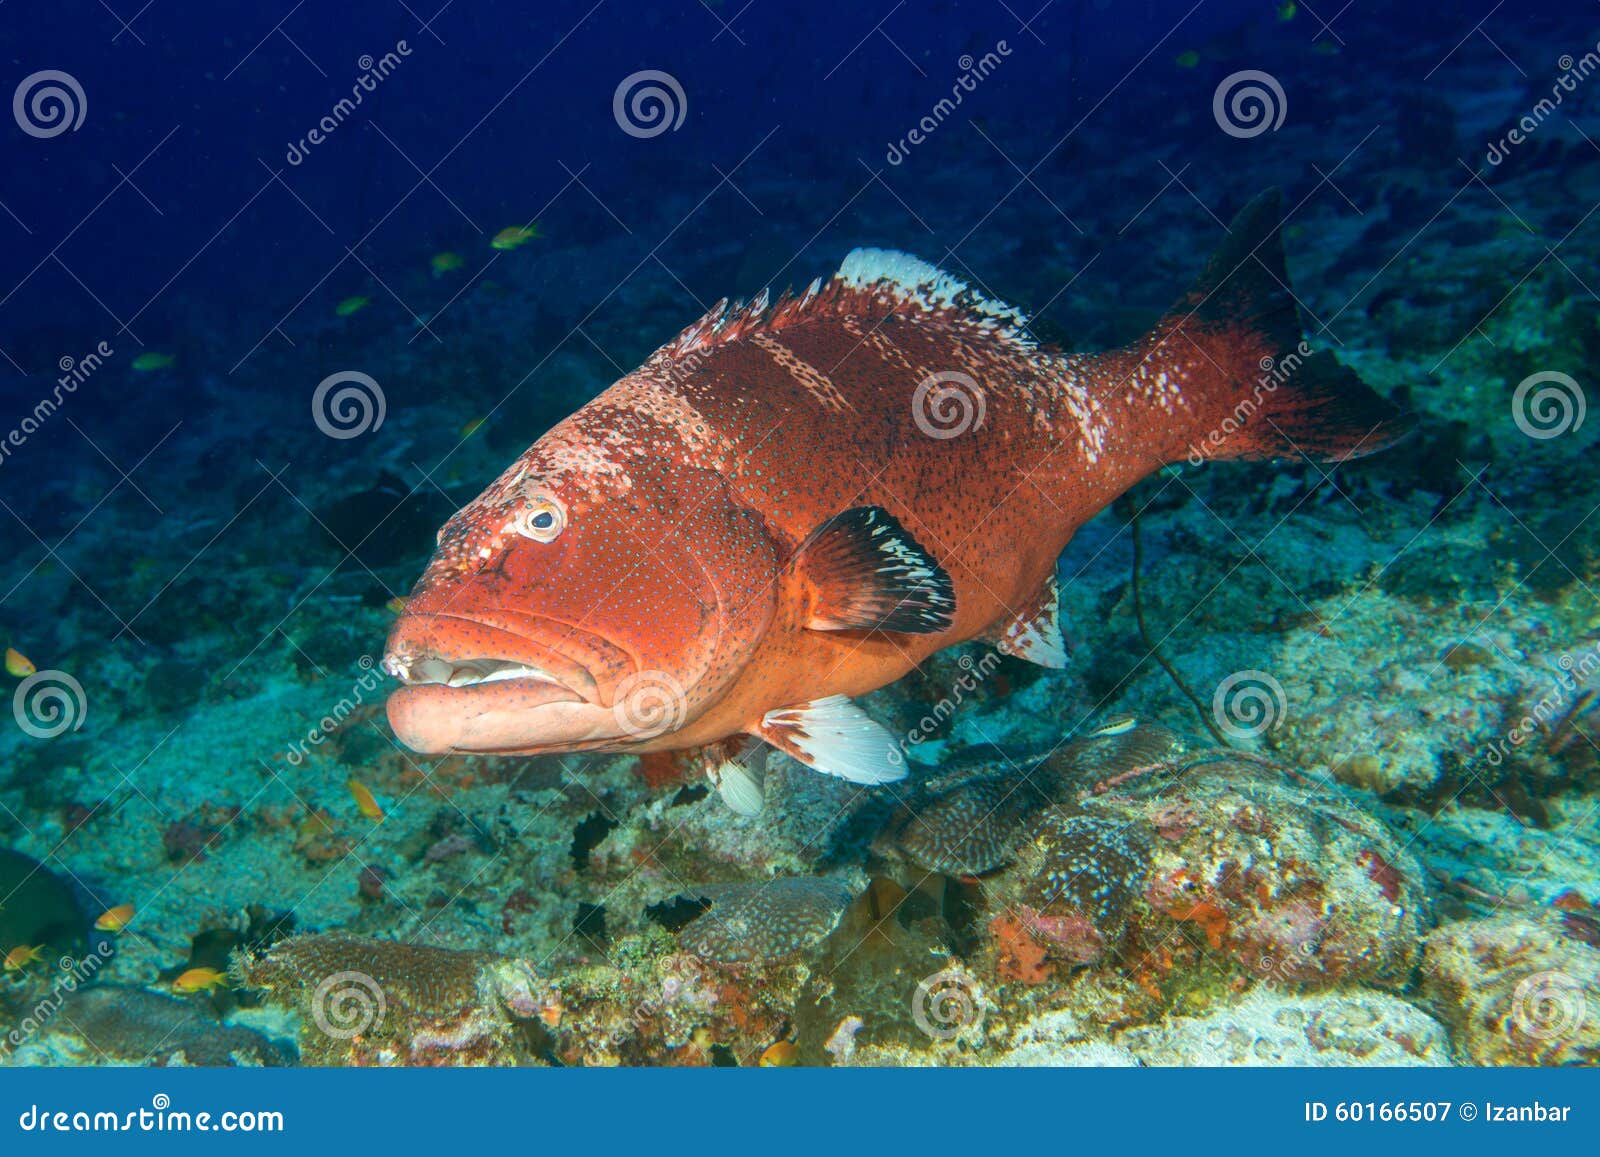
<point>1171,853</point>
<point>382,1003</point>
<point>117,1024</point>
<point>1083,875</point>
<point>767,921</point>
<point>1517,989</point>
<point>1271,1028</point>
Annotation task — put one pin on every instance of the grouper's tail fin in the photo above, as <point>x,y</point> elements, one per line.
<point>1256,386</point>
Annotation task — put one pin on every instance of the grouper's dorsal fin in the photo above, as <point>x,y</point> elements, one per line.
<point>912,283</point>
<point>870,284</point>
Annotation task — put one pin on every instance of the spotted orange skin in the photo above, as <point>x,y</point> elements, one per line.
<point>691,483</point>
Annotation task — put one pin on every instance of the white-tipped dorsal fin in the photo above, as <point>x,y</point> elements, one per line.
<point>1035,634</point>
<point>916,282</point>
<point>835,737</point>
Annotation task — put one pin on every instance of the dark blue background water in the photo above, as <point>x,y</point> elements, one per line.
<point>172,220</point>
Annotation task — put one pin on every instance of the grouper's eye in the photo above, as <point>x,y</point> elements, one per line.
<point>541,520</point>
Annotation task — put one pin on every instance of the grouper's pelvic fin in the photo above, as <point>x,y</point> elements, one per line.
<point>835,737</point>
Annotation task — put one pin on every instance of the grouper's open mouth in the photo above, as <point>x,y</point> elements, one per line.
<point>477,686</point>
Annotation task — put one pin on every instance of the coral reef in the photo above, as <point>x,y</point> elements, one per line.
<point>380,1003</point>
<point>1517,989</point>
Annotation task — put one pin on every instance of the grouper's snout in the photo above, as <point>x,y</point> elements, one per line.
<point>473,685</point>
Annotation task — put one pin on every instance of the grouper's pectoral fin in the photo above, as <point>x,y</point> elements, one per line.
<point>1035,633</point>
<point>866,572</point>
<point>835,737</point>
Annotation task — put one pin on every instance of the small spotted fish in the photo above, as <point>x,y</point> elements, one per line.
<point>18,959</point>
<point>115,919</point>
<point>150,361</point>
<point>443,263</point>
<point>18,664</point>
<point>200,980</point>
<point>693,556</point>
<point>351,305</point>
<point>516,236</point>
<point>366,804</point>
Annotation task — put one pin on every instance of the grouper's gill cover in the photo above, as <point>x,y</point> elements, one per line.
<point>794,503</point>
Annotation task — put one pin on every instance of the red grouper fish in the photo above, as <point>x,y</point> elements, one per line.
<point>793,504</point>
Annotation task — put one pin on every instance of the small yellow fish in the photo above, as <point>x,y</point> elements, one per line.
<point>352,305</point>
<point>115,919</point>
<point>365,803</point>
<point>447,262</point>
<point>1188,59</point>
<point>396,605</point>
<point>782,1055</point>
<point>18,664</point>
<point>516,236</point>
<point>1325,47</point>
<point>21,956</point>
<point>150,361</point>
<point>200,980</point>
<point>1287,11</point>
<point>468,429</point>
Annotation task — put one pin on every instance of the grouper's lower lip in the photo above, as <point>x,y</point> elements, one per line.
<point>514,714</point>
